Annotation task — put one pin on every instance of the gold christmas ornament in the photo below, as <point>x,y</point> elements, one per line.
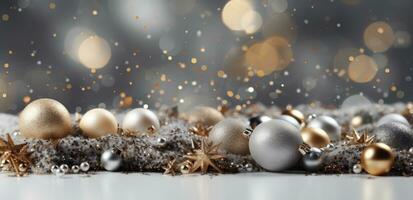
<point>140,120</point>
<point>315,137</point>
<point>296,114</point>
<point>204,115</point>
<point>377,159</point>
<point>98,122</point>
<point>45,119</point>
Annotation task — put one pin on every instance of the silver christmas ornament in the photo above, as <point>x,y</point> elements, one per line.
<point>161,142</point>
<point>392,118</point>
<point>255,121</point>
<point>75,169</point>
<point>140,120</point>
<point>54,168</point>
<point>357,168</point>
<point>64,167</point>
<point>274,145</point>
<point>395,134</point>
<point>84,166</point>
<point>290,120</point>
<point>111,159</point>
<point>313,159</point>
<point>228,134</point>
<point>328,124</point>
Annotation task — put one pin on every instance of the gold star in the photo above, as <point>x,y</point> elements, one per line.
<point>200,130</point>
<point>15,155</point>
<point>204,157</point>
<point>357,138</point>
<point>170,168</point>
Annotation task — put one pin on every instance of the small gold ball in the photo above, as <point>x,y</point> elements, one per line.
<point>45,119</point>
<point>98,122</point>
<point>315,137</point>
<point>377,159</point>
<point>204,115</point>
<point>185,168</point>
<point>296,114</point>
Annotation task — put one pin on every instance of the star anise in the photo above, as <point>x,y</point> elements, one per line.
<point>170,168</point>
<point>200,130</point>
<point>15,155</point>
<point>356,138</point>
<point>204,157</point>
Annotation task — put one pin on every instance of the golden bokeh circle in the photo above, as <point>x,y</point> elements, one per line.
<point>233,12</point>
<point>378,36</point>
<point>94,52</point>
<point>362,69</point>
<point>262,57</point>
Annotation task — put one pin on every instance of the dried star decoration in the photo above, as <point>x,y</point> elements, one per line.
<point>170,168</point>
<point>356,138</point>
<point>15,155</point>
<point>204,157</point>
<point>200,130</point>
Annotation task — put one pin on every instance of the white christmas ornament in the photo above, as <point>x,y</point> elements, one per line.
<point>140,120</point>
<point>274,145</point>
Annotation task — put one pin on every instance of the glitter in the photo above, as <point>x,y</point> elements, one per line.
<point>194,60</point>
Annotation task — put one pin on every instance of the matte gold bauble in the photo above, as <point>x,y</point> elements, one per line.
<point>45,119</point>
<point>296,114</point>
<point>315,137</point>
<point>204,115</point>
<point>377,159</point>
<point>98,122</point>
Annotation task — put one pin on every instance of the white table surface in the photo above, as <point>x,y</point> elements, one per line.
<point>255,186</point>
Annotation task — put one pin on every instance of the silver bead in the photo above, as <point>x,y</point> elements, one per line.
<point>54,168</point>
<point>328,124</point>
<point>84,166</point>
<point>161,142</point>
<point>65,168</point>
<point>311,117</point>
<point>273,145</point>
<point>357,168</point>
<point>111,159</point>
<point>59,172</point>
<point>313,160</point>
<point>248,167</point>
<point>75,169</point>
<point>392,118</point>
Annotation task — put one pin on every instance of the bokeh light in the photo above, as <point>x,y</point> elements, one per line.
<point>362,69</point>
<point>378,36</point>
<point>94,52</point>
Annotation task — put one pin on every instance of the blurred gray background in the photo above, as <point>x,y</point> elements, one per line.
<point>180,52</point>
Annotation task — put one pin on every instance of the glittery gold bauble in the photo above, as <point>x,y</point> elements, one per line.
<point>45,119</point>
<point>204,115</point>
<point>377,159</point>
<point>315,137</point>
<point>98,122</point>
<point>296,114</point>
<point>228,134</point>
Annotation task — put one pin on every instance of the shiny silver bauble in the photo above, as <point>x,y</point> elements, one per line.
<point>274,145</point>
<point>140,120</point>
<point>328,124</point>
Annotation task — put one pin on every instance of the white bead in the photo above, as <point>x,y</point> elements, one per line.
<point>65,168</point>
<point>84,166</point>
<point>357,168</point>
<point>59,172</point>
